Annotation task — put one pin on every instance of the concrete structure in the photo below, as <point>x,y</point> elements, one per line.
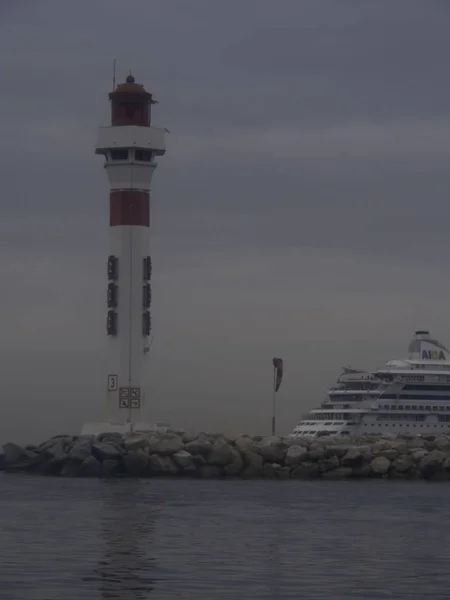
<point>130,145</point>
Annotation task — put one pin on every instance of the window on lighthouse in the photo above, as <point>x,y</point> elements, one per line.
<point>143,155</point>
<point>119,154</point>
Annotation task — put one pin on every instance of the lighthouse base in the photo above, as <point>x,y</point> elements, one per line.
<point>99,428</point>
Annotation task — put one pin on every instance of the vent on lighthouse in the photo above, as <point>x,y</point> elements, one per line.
<point>112,267</point>
<point>147,274</point>
<point>111,322</point>
<point>147,295</point>
<point>146,323</point>
<point>112,295</point>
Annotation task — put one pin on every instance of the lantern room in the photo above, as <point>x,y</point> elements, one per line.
<point>131,104</point>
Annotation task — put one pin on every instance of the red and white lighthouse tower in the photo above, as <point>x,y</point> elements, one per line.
<point>130,145</point>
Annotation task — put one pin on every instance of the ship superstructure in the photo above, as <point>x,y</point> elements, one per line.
<point>411,395</point>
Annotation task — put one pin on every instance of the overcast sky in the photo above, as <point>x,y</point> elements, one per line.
<point>302,209</point>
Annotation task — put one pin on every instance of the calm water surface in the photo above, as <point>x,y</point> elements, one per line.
<point>206,540</point>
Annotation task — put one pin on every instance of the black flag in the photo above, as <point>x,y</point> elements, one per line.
<point>278,366</point>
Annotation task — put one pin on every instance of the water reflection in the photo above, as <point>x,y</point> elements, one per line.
<point>127,568</point>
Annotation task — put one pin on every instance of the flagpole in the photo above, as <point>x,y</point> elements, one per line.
<point>273,398</point>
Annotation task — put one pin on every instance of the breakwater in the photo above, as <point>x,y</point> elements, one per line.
<point>207,456</point>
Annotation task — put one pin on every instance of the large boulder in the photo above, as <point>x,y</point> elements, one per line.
<point>72,468</point>
<point>305,471</point>
<point>380,465</point>
<point>442,443</point>
<point>136,463</point>
<point>112,467</point>
<point>12,454</point>
<point>221,453</point>
<point>339,450</point>
<point>135,441</point>
<point>201,445</point>
<point>166,444</point>
<point>432,462</point>
<point>184,460</point>
<point>418,454</point>
<point>329,464</point>
<point>236,464</point>
<point>162,465</point>
<point>340,473</point>
<point>272,449</point>
<point>415,443</point>
<point>82,448</point>
<point>91,467</point>
<point>316,452</point>
<point>403,463</point>
<point>57,452</point>
<point>209,472</point>
<point>296,455</point>
<point>106,451</point>
<point>353,457</point>
<point>250,452</point>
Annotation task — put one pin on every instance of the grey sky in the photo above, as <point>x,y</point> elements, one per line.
<point>301,210</point>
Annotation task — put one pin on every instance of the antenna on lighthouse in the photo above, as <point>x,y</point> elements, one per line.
<point>114,75</point>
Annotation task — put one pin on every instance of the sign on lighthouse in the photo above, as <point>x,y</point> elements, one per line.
<point>130,146</point>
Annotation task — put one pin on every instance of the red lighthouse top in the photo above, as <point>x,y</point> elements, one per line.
<point>130,104</point>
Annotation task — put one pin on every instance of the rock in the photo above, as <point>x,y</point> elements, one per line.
<point>340,473</point>
<point>336,450</point>
<point>268,470</point>
<point>251,473</point>
<point>352,458</point>
<point>12,454</point>
<point>184,460</point>
<point>236,464</point>
<point>91,467</point>
<point>272,449</point>
<point>432,462</point>
<point>55,440</point>
<point>403,463</point>
<point>221,453</point>
<point>305,470</point>
<point>380,465</point>
<point>250,452</point>
<point>416,442</point>
<point>295,455</point>
<point>71,469</point>
<point>316,452</point>
<point>201,445</point>
<point>389,436</point>
<point>106,451</point>
<point>198,460</point>
<point>162,465</point>
<point>390,454</point>
<point>166,444</point>
<point>417,455</point>
<point>112,438</point>
<point>29,461</point>
<point>442,443</point>
<point>136,463</point>
<point>446,464</point>
<point>112,467</point>
<point>283,472</point>
<point>57,452</point>
<point>329,464</point>
<point>361,471</point>
<point>82,449</point>
<point>209,472</point>
<point>135,441</point>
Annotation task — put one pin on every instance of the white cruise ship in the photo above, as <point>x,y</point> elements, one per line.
<point>405,396</point>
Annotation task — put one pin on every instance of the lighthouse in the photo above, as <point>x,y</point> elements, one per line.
<point>130,146</point>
